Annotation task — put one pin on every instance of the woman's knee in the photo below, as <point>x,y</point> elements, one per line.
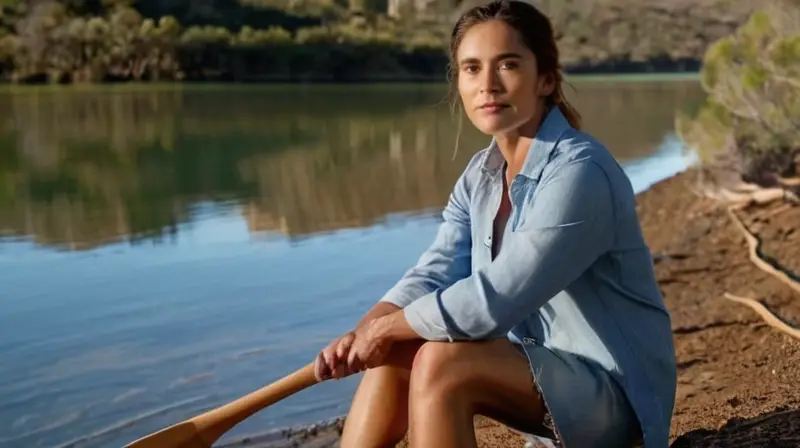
<point>438,368</point>
<point>385,376</point>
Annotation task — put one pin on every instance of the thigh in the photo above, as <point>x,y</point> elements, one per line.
<point>378,415</point>
<point>499,384</point>
<point>394,374</point>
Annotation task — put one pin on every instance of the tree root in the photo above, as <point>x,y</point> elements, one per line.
<point>744,195</point>
<point>790,182</point>
<point>768,317</point>
<point>754,245</point>
<point>739,198</point>
<point>760,196</point>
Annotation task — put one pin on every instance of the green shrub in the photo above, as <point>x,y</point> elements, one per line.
<point>752,114</point>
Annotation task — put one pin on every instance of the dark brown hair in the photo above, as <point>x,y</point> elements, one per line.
<point>536,33</point>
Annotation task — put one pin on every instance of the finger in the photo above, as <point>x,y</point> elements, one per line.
<point>357,366</point>
<point>317,368</point>
<point>339,371</point>
<point>320,368</point>
<point>353,360</point>
<point>345,343</point>
<point>330,358</point>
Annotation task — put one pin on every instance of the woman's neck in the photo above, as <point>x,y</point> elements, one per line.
<point>515,150</point>
<point>515,145</point>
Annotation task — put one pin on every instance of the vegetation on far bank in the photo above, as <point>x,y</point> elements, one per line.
<point>81,41</point>
<point>751,118</point>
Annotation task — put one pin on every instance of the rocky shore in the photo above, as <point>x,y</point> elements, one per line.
<point>738,375</point>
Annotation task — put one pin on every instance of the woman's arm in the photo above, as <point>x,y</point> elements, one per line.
<point>571,223</point>
<point>379,310</point>
<point>448,258</point>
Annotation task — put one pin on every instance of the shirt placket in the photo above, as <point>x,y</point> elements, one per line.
<point>495,196</point>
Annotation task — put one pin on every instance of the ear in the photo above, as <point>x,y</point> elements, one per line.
<point>547,85</point>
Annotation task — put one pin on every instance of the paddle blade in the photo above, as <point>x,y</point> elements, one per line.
<point>182,435</point>
<point>204,430</point>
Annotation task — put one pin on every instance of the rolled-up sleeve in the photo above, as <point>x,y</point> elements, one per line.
<point>567,227</point>
<point>447,260</point>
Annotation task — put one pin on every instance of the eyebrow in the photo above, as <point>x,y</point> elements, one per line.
<point>498,57</point>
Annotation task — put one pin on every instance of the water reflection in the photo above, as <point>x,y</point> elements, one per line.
<point>82,169</point>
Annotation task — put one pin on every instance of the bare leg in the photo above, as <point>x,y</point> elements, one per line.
<point>451,382</point>
<point>378,416</point>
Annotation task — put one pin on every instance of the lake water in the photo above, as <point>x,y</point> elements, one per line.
<point>165,251</point>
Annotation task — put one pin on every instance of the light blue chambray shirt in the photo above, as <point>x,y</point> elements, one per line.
<point>574,273</point>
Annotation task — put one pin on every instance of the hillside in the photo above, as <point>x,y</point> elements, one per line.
<point>344,40</point>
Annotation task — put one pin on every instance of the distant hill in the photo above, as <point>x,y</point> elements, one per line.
<point>401,39</point>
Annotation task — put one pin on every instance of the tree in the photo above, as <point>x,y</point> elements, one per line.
<point>752,115</point>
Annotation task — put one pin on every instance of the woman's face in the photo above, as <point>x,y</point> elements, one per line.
<point>498,80</point>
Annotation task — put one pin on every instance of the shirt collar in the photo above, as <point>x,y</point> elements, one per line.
<point>553,127</point>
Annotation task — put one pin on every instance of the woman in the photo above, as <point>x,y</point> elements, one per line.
<point>536,305</point>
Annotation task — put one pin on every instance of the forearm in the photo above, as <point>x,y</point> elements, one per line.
<point>447,259</point>
<point>393,327</point>
<point>387,321</point>
<point>379,310</point>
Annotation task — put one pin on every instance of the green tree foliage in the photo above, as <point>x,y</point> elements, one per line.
<point>234,14</point>
<point>752,114</point>
<point>51,41</point>
<point>253,40</point>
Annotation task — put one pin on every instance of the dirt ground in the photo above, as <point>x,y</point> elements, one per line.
<point>739,378</point>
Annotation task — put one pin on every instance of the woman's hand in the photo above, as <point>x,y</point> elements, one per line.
<point>332,361</point>
<point>365,347</point>
<point>371,345</point>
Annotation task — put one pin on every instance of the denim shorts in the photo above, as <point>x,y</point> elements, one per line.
<point>584,405</point>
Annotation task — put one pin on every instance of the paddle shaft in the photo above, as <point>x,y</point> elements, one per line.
<point>214,423</point>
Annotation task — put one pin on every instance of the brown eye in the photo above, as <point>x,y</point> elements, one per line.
<point>472,68</point>
<point>508,65</point>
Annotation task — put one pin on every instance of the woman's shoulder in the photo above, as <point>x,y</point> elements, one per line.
<point>582,148</point>
<point>580,158</point>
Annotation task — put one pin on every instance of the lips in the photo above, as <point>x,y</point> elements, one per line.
<point>493,107</point>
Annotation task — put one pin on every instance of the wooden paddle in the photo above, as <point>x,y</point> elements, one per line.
<point>205,429</point>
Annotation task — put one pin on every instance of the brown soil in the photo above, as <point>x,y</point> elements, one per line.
<point>738,377</point>
<point>735,373</point>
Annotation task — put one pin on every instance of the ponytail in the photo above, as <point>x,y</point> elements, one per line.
<point>558,99</point>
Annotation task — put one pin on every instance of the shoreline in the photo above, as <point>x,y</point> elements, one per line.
<point>319,434</point>
<point>737,375</point>
<point>8,87</point>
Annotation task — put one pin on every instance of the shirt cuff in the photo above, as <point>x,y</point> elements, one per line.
<point>399,300</point>
<point>425,317</point>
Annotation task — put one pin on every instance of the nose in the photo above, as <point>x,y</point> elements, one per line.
<point>490,82</point>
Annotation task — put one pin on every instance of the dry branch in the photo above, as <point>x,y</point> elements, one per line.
<point>741,197</point>
<point>789,181</point>
<point>769,318</point>
<point>753,244</point>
